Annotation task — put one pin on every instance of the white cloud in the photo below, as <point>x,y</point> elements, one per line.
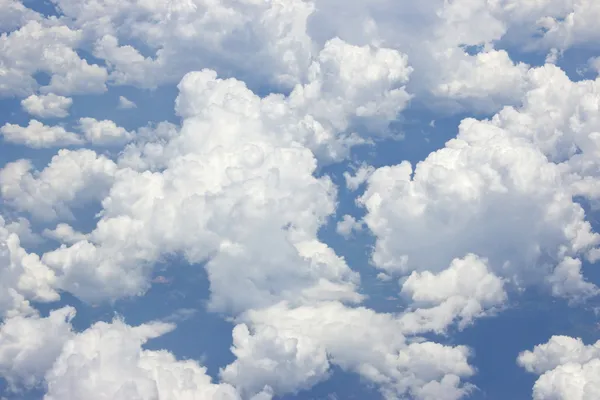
<point>567,367</point>
<point>271,358</point>
<point>13,14</point>
<point>464,291</point>
<point>72,178</point>
<point>358,340</point>
<point>38,135</point>
<point>347,225</point>
<point>495,181</point>
<point>30,345</point>
<point>46,46</point>
<point>22,276</point>
<point>239,156</point>
<point>125,103</point>
<point>107,362</point>
<point>103,133</point>
<point>360,176</point>
<point>47,106</point>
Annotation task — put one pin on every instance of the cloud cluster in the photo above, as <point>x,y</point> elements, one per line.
<point>235,189</point>
<point>502,189</point>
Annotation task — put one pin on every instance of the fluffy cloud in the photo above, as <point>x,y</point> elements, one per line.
<point>46,46</point>
<point>107,362</point>
<point>288,345</point>
<point>30,345</point>
<point>38,135</point>
<point>72,178</point>
<point>47,106</point>
<point>103,133</point>
<point>243,157</point>
<point>464,291</point>
<point>23,277</point>
<point>567,367</point>
<point>495,181</point>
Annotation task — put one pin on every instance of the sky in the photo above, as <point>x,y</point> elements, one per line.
<point>296,200</point>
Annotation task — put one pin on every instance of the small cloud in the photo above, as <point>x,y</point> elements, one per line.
<point>180,315</point>
<point>347,225</point>
<point>125,103</point>
<point>384,277</point>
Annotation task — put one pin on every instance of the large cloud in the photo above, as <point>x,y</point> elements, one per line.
<point>494,192</point>
<point>568,369</point>
<point>238,157</point>
<point>287,346</point>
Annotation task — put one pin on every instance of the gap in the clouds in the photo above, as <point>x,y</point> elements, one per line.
<point>179,294</point>
<point>86,55</point>
<point>42,78</point>
<point>574,62</point>
<point>152,106</point>
<point>531,319</point>
<point>44,7</point>
<point>340,385</point>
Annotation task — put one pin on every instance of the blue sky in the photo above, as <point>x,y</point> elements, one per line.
<point>451,274</point>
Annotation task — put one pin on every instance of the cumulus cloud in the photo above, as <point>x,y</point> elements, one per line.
<point>29,345</point>
<point>464,291</point>
<point>46,46</point>
<point>71,178</point>
<point>288,344</point>
<point>236,189</point>
<point>23,277</point>
<point>47,106</point>
<point>104,132</point>
<point>37,135</point>
<point>107,362</point>
<point>567,367</point>
<point>513,177</point>
<point>240,156</point>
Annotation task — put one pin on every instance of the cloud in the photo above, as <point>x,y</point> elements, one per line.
<point>30,345</point>
<point>125,103</point>
<point>243,157</point>
<point>46,46</point>
<point>107,361</point>
<point>464,291</point>
<point>47,106</point>
<point>567,367</point>
<point>71,178</point>
<point>23,277</point>
<point>347,225</point>
<point>103,133</point>
<point>37,135</point>
<point>296,339</point>
<point>511,177</point>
